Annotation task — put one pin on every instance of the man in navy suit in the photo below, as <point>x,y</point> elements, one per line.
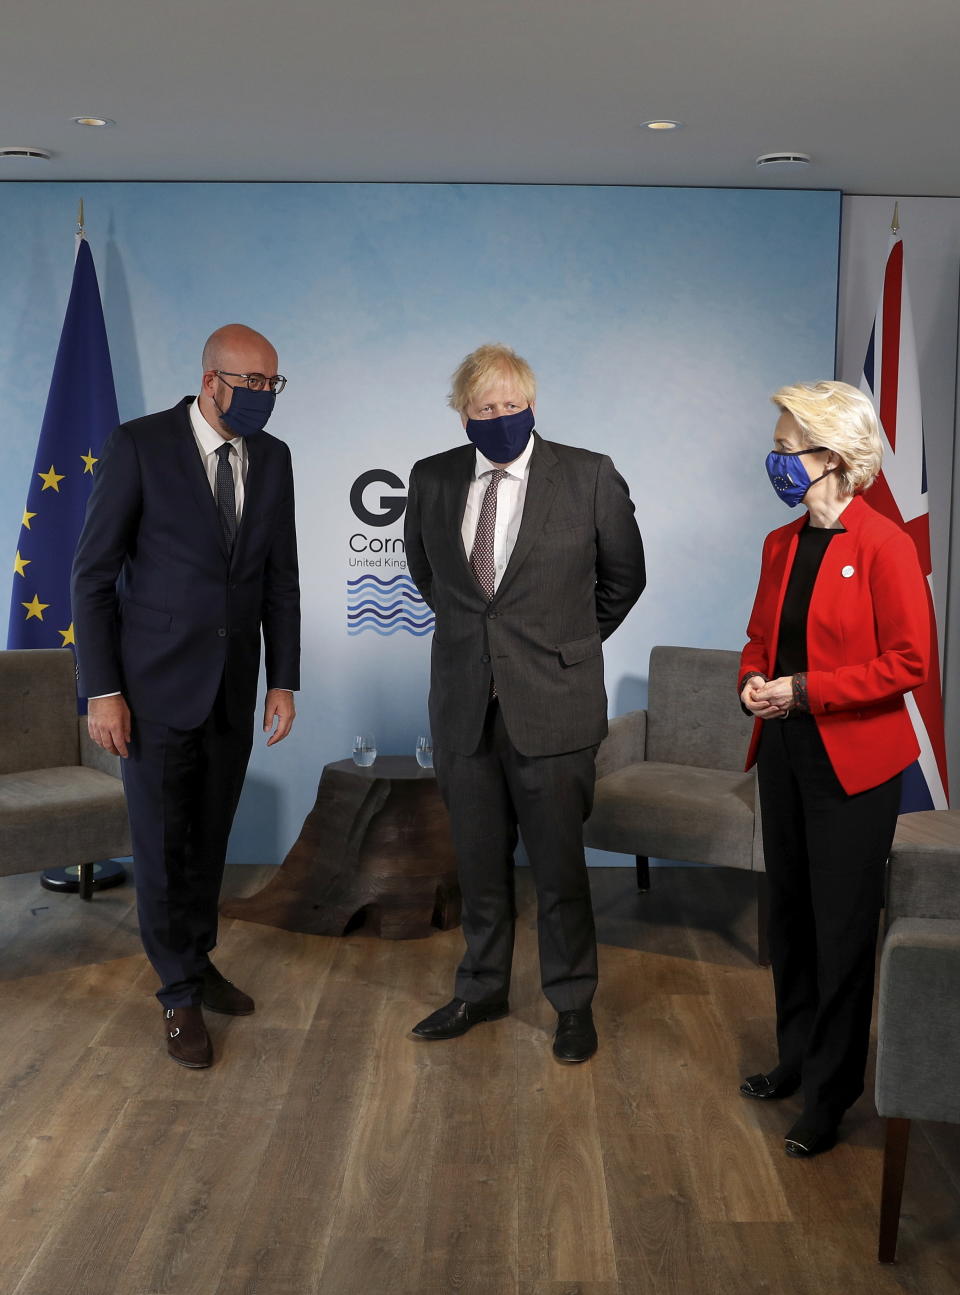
<point>188,553</point>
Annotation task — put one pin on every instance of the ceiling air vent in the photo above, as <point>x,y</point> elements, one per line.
<point>40,154</point>
<point>783,161</point>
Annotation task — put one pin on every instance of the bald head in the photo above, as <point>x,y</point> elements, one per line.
<point>233,349</point>
<point>236,347</point>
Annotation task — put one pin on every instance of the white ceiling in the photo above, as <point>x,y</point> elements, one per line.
<point>541,91</point>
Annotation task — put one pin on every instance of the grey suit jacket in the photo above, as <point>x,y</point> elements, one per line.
<point>576,570</point>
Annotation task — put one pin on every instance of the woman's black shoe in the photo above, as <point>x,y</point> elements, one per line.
<point>808,1138</point>
<point>766,1089</point>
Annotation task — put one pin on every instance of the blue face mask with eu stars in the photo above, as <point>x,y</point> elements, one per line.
<point>789,477</point>
<point>501,440</point>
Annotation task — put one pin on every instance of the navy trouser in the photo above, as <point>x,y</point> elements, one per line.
<point>182,789</point>
<point>489,795</point>
<point>825,856</point>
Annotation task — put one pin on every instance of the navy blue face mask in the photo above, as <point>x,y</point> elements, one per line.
<point>501,440</point>
<point>789,477</point>
<point>248,410</point>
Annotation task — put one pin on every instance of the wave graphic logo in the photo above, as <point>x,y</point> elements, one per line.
<point>387,607</point>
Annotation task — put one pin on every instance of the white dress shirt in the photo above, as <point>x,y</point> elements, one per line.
<point>510,496</point>
<point>209,441</point>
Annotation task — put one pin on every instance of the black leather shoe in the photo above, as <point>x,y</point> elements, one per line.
<point>220,996</point>
<point>576,1037</point>
<point>809,1137</point>
<point>456,1017</point>
<point>765,1089</point>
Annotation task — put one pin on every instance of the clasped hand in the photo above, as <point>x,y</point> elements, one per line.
<point>768,700</point>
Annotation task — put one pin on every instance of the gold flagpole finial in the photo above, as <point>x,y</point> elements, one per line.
<point>895,223</point>
<point>80,220</point>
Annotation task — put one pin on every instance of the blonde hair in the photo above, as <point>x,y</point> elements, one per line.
<point>482,367</point>
<point>842,419</point>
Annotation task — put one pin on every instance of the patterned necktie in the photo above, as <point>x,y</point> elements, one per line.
<point>226,496</point>
<point>481,556</point>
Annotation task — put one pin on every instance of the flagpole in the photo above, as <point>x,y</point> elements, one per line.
<point>894,224</point>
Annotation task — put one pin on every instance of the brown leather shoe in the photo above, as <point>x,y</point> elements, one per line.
<point>220,996</point>
<point>187,1039</point>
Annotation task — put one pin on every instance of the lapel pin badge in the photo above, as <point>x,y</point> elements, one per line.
<point>847,572</point>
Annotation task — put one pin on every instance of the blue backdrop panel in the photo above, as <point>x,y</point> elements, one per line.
<point>658,321</point>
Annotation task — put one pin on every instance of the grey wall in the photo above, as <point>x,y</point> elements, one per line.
<point>931,234</point>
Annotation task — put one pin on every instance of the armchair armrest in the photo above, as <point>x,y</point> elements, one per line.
<point>918,1030</point>
<point>625,743</point>
<point>93,756</point>
<point>923,879</point>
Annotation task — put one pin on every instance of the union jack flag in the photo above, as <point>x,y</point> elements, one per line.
<point>891,378</point>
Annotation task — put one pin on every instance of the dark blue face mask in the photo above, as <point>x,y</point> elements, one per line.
<point>248,410</point>
<point>789,477</point>
<point>501,440</point>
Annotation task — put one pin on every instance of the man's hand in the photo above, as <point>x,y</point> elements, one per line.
<point>108,723</point>
<point>279,709</point>
<point>766,700</point>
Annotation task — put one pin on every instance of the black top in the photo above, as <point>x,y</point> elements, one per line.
<point>792,639</point>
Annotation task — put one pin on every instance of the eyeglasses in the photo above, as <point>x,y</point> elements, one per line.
<point>255,381</point>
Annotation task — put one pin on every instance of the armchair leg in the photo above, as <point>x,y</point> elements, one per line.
<point>643,872</point>
<point>891,1193</point>
<point>763,914</point>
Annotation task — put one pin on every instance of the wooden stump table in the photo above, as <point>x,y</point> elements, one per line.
<point>377,842</point>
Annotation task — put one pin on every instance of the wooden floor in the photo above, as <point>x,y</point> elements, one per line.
<point>326,1151</point>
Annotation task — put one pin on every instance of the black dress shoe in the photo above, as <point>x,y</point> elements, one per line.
<point>804,1143</point>
<point>576,1037</point>
<point>456,1017</point>
<point>765,1088</point>
<point>810,1136</point>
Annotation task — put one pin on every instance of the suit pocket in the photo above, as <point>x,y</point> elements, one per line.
<point>147,618</point>
<point>578,650</point>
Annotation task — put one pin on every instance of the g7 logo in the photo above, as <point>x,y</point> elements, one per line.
<point>391,506</point>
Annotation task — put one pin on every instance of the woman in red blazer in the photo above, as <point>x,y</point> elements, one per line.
<point>838,634</point>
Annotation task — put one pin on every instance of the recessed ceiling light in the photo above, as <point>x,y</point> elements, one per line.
<point>93,121</point>
<point>15,150</point>
<point>785,160</point>
<point>662,123</point>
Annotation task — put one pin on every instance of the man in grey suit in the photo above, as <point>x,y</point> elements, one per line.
<point>528,553</point>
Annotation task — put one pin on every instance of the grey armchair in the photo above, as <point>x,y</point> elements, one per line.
<point>670,780</point>
<point>61,799</point>
<point>918,1022</point>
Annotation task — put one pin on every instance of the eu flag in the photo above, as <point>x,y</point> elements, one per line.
<point>81,411</point>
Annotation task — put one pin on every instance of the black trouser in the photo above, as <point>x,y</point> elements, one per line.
<point>182,789</point>
<point>489,795</point>
<point>825,855</point>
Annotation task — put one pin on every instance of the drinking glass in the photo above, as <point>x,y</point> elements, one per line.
<point>364,750</point>
<point>425,752</point>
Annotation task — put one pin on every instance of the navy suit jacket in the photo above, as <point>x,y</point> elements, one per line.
<point>161,611</point>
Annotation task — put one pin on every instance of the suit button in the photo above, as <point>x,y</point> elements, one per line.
<point>222,632</point>
<point>492,615</point>
<point>484,659</point>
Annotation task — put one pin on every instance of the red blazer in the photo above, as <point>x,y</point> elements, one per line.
<point>868,642</point>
